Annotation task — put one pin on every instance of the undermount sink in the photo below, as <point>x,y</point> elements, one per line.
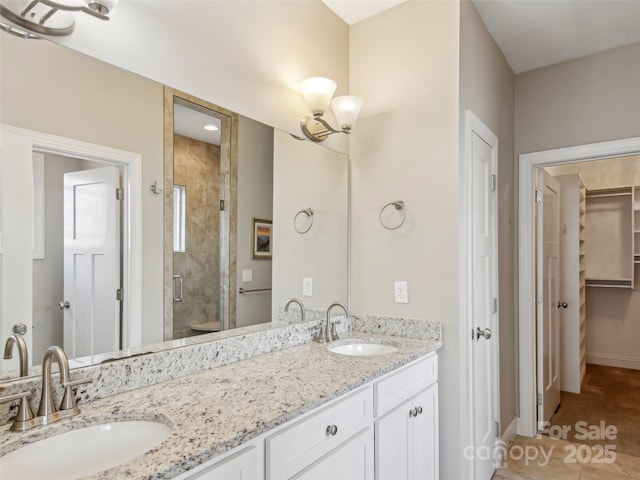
<point>363,349</point>
<point>83,451</point>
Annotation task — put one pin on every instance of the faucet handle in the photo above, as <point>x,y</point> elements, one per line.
<point>68,403</point>
<point>334,331</point>
<point>24,418</point>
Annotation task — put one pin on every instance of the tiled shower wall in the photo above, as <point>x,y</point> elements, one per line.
<point>197,167</point>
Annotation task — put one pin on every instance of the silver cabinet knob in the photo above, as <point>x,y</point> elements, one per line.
<point>332,430</point>
<point>63,305</point>
<point>486,333</point>
<point>20,329</point>
<point>419,410</point>
<point>413,412</point>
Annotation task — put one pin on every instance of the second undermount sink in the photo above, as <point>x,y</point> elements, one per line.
<point>83,451</point>
<point>363,349</point>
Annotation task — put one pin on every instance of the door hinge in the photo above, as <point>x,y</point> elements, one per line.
<point>539,399</point>
<point>492,183</point>
<point>538,196</point>
<point>221,207</point>
<point>119,294</point>
<point>538,297</point>
<point>119,194</point>
<point>497,429</point>
<point>495,305</point>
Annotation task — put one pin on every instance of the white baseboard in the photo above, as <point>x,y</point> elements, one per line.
<point>613,361</point>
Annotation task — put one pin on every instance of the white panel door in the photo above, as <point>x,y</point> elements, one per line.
<point>91,261</point>
<point>548,297</point>
<point>484,306</point>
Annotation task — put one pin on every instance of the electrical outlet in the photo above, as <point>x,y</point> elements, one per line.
<point>401,292</point>
<point>247,275</point>
<point>307,287</point>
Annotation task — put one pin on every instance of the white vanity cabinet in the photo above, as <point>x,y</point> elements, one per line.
<point>406,430</point>
<point>337,438</point>
<point>384,430</point>
<point>243,463</point>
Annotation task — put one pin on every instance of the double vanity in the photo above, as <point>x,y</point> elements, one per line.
<point>365,403</point>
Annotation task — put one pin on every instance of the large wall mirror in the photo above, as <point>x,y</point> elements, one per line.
<point>123,226</point>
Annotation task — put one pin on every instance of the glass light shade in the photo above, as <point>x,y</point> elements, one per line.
<point>346,109</point>
<point>317,92</point>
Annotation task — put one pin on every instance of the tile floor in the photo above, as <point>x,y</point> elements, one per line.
<point>546,458</point>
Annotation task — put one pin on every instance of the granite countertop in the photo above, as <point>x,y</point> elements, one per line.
<point>216,410</point>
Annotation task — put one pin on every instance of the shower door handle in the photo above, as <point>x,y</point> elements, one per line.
<point>177,288</point>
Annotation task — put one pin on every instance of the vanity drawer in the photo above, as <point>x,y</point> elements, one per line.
<point>405,383</point>
<point>291,450</point>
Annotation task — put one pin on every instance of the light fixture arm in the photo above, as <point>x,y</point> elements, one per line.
<point>318,133</point>
<point>60,6</point>
<point>35,15</point>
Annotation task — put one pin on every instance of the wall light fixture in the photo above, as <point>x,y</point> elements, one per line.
<point>50,17</point>
<point>317,92</point>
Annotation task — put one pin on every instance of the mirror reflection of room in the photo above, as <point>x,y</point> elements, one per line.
<point>128,121</point>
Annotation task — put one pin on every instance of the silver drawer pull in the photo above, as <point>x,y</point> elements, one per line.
<point>413,412</point>
<point>419,410</point>
<point>332,430</point>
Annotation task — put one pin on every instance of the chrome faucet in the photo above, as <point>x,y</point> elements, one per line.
<point>328,331</point>
<point>21,345</point>
<point>300,304</point>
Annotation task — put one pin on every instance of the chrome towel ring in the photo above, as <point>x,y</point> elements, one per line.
<point>398,205</point>
<point>305,228</point>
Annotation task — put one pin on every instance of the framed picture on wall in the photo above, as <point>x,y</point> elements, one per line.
<point>262,241</point>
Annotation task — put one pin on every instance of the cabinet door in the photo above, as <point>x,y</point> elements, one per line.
<point>351,461</point>
<point>423,436</point>
<point>241,466</point>
<point>392,444</point>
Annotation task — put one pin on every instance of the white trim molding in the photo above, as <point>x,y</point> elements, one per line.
<point>528,164</point>
<point>33,141</point>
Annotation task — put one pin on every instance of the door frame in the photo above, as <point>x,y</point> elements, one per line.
<point>19,142</point>
<point>526,257</point>
<point>467,400</point>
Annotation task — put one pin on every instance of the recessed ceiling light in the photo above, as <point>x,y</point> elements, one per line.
<point>210,128</point>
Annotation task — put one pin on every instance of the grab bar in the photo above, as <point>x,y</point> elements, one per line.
<point>177,298</point>
<point>243,290</point>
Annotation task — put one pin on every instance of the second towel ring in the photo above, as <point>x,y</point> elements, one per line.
<point>398,205</point>
<point>309,213</point>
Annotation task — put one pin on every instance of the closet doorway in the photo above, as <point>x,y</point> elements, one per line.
<point>607,307</point>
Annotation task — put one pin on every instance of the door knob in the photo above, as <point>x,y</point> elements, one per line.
<point>486,333</point>
<point>63,305</point>
<point>562,304</point>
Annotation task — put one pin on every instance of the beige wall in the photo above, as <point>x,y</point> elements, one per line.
<point>613,315</point>
<point>487,89</point>
<point>255,200</point>
<point>404,62</point>
<point>248,56</point>
<point>309,175</point>
<point>54,90</point>
<point>591,99</point>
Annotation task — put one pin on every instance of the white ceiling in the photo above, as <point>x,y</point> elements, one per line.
<point>188,122</point>
<point>536,33</point>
